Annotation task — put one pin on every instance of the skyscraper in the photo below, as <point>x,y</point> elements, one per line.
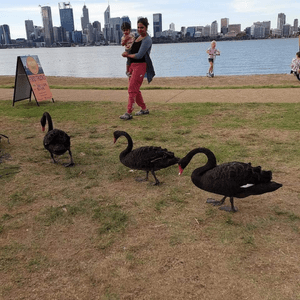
<point>224,25</point>
<point>48,25</point>
<point>157,24</point>
<point>106,23</point>
<point>214,28</point>
<point>5,35</point>
<point>29,29</point>
<point>66,16</point>
<point>281,20</point>
<point>295,25</point>
<point>85,17</point>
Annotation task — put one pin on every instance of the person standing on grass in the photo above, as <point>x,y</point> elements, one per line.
<point>295,65</point>
<point>212,52</point>
<point>140,64</point>
<point>127,41</point>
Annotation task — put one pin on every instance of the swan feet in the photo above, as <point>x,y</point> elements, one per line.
<point>71,164</point>
<point>221,202</point>
<point>229,208</point>
<point>141,179</point>
<point>216,202</point>
<point>146,179</point>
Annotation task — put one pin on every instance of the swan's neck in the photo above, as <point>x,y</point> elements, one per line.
<point>211,160</point>
<point>49,120</point>
<point>129,146</point>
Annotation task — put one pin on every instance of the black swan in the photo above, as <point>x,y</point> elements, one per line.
<point>233,179</point>
<point>148,158</point>
<point>56,141</point>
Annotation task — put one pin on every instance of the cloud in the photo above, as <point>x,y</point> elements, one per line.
<point>262,6</point>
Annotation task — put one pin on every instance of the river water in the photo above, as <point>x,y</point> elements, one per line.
<point>169,60</point>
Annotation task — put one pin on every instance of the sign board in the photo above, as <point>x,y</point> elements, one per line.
<point>30,78</point>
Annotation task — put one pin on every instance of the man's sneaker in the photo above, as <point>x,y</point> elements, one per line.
<point>208,74</point>
<point>212,74</point>
<point>126,116</point>
<point>142,112</point>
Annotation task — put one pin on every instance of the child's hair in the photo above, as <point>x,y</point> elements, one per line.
<point>144,21</point>
<point>298,54</point>
<point>213,42</point>
<point>125,26</point>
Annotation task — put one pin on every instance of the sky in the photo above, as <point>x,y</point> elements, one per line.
<point>180,12</point>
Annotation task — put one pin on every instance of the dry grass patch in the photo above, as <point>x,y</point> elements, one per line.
<point>93,232</point>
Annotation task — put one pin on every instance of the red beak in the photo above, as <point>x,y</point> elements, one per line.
<point>43,128</point>
<point>180,170</point>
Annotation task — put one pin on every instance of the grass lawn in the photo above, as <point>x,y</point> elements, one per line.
<point>92,232</point>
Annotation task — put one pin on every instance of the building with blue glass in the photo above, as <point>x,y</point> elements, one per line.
<point>66,17</point>
<point>157,25</point>
<point>5,35</point>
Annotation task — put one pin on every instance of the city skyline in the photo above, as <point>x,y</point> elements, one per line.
<point>181,13</point>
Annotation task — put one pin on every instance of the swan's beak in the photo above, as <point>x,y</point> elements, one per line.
<point>43,128</point>
<point>115,140</point>
<point>180,170</point>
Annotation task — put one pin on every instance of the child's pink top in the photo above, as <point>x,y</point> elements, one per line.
<point>127,40</point>
<point>295,65</point>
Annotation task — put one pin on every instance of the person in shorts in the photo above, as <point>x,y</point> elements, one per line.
<point>212,52</point>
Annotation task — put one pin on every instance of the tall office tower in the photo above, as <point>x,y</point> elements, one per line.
<point>286,30</point>
<point>48,25</point>
<point>107,15</point>
<point>206,30</point>
<point>85,17</point>
<point>157,24</point>
<point>1,35</point>
<point>5,35</point>
<point>106,23</point>
<point>115,30</point>
<point>224,25</point>
<point>281,20</point>
<point>172,27</point>
<point>97,31</point>
<point>296,25</point>
<point>214,28</point>
<point>66,16</point>
<point>29,30</point>
<point>97,25</point>
<point>183,30</point>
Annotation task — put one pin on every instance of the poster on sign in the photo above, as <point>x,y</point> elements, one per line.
<point>30,78</point>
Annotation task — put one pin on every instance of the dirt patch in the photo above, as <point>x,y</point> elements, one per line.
<point>93,232</point>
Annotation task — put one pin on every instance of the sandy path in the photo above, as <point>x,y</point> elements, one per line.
<point>175,96</point>
<point>263,95</point>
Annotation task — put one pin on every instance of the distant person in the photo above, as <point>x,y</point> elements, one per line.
<point>212,52</point>
<point>127,40</point>
<point>140,63</point>
<point>295,66</point>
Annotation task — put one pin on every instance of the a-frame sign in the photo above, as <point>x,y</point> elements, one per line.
<point>30,78</point>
